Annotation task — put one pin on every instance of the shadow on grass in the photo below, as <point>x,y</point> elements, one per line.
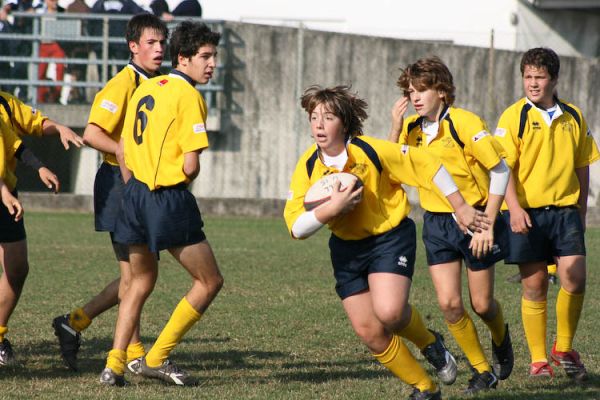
<point>42,359</point>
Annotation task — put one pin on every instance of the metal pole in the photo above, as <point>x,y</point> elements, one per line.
<point>34,68</point>
<point>298,92</point>
<point>105,50</point>
<point>491,93</point>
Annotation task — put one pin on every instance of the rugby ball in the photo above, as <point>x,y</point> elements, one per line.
<point>320,192</point>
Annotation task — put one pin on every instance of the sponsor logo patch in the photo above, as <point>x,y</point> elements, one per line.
<point>500,132</point>
<point>109,106</point>
<point>404,149</point>
<point>589,133</point>
<point>199,128</point>
<point>162,82</point>
<point>34,110</point>
<point>480,136</point>
<point>290,195</point>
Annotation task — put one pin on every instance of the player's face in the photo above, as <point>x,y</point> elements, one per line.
<point>327,130</point>
<point>150,50</point>
<point>428,103</point>
<point>539,86</point>
<point>201,66</point>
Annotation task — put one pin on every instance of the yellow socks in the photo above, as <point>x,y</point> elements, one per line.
<point>568,310</point>
<point>79,320</point>
<point>416,332</point>
<point>399,360</point>
<point>497,326</point>
<point>116,361</point>
<point>182,319</point>
<point>534,324</point>
<point>3,330</point>
<point>465,334</point>
<point>135,350</point>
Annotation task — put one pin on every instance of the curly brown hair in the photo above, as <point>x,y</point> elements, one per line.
<point>339,100</point>
<point>542,57</point>
<point>428,73</point>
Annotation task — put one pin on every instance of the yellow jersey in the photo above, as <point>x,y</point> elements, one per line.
<point>110,104</point>
<point>466,149</point>
<point>165,119</point>
<point>544,157</point>
<point>23,119</point>
<point>8,161</point>
<point>382,167</point>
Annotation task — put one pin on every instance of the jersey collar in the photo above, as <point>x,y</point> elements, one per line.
<point>140,70</point>
<point>545,116</point>
<point>181,75</point>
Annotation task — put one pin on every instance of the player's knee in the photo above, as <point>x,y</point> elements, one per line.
<point>213,284</point>
<point>17,273</point>
<point>392,317</point>
<point>535,292</point>
<point>482,306</point>
<point>452,308</point>
<point>372,338</point>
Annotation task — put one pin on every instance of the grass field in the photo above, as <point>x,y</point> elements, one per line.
<point>276,331</point>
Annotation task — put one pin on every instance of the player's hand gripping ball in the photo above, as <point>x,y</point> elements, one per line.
<point>320,192</point>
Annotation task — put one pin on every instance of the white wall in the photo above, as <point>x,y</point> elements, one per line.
<point>465,22</point>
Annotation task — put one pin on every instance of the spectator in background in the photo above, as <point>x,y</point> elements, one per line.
<point>18,70</point>
<point>116,28</point>
<point>50,49</point>
<point>167,9</point>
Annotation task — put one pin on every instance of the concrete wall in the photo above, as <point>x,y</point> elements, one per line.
<point>568,32</point>
<point>262,129</point>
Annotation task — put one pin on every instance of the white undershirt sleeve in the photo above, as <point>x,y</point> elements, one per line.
<point>444,181</point>
<point>499,178</point>
<point>306,225</point>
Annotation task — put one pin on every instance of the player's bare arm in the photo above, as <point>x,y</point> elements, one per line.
<point>583,176</point>
<point>50,127</point>
<point>99,139</point>
<point>191,164</point>
<point>11,202</point>
<point>342,201</point>
<point>520,222</point>
<point>120,154</point>
<point>398,111</point>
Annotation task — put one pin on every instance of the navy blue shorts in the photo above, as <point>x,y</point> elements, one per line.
<point>162,219</point>
<point>108,190</point>
<point>556,232</point>
<point>10,231</point>
<point>353,260</point>
<point>445,242</point>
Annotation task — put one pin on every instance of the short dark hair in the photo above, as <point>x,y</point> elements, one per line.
<point>340,101</point>
<point>428,73</point>
<point>137,24</point>
<point>541,57</point>
<point>188,37</point>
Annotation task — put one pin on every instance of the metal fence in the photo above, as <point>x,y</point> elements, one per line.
<point>94,46</point>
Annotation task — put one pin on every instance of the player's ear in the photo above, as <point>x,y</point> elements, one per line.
<point>182,60</point>
<point>133,47</point>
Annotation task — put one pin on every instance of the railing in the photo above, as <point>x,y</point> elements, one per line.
<point>99,48</point>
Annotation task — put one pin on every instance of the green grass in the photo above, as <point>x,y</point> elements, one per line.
<point>276,331</point>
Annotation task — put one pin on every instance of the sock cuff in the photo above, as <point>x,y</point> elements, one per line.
<point>3,330</point>
<point>391,351</point>
<point>79,320</point>
<point>461,323</point>
<point>185,306</point>
<point>564,292</point>
<point>116,361</point>
<point>536,305</point>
